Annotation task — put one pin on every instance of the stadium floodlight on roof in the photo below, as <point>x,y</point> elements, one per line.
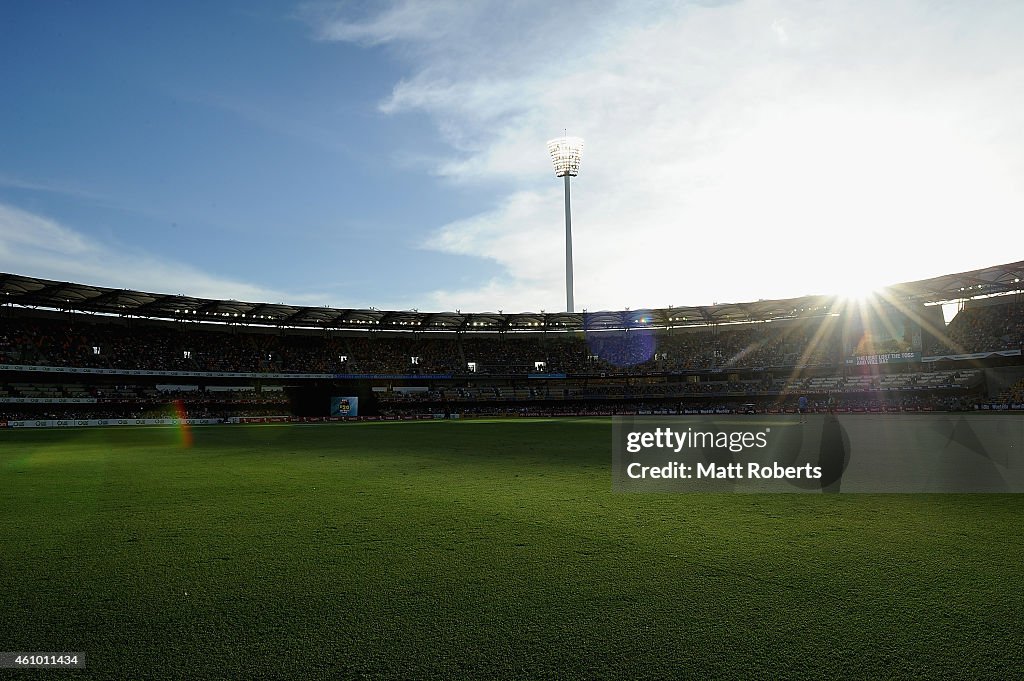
<point>565,154</point>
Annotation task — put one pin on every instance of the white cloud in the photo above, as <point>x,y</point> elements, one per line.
<point>752,149</point>
<point>31,243</point>
<point>402,21</point>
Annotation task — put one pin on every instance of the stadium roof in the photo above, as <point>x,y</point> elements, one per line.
<point>31,292</point>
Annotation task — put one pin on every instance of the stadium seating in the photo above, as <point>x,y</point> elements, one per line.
<point>734,364</point>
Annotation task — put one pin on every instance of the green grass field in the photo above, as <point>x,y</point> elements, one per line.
<point>478,550</point>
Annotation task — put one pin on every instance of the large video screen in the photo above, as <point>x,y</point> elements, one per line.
<point>344,406</point>
<point>876,329</point>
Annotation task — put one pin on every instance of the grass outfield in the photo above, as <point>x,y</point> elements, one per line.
<point>478,550</point>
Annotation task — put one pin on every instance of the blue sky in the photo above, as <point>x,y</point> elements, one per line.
<point>391,154</point>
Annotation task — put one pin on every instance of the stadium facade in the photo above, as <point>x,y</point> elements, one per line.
<point>73,352</point>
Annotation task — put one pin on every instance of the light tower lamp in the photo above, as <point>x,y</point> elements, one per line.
<point>565,154</point>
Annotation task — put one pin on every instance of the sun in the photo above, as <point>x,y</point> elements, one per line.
<point>857,291</point>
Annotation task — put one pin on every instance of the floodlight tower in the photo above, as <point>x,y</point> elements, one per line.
<point>565,154</point>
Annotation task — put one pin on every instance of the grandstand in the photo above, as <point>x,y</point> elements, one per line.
<point>74,351</point>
